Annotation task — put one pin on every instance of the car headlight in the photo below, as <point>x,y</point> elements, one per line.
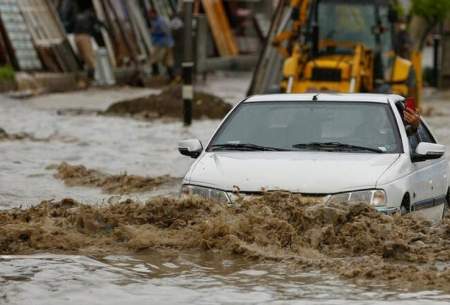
<point>372,197</point>
<point>204,192</point>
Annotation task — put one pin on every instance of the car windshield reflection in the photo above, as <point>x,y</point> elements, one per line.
<point>293,126</point>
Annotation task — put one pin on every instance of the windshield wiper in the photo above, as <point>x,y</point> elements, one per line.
<point>244,147</point>
<point>336,146</point>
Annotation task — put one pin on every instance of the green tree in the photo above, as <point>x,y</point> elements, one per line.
<point>6,73</point>
<point>433,13</point>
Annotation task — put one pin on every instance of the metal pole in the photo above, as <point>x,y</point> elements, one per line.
<point>436,45</point>
<point>188,63</point>
<point>202,44</point>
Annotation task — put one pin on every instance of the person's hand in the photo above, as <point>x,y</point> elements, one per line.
<point>412,117</point>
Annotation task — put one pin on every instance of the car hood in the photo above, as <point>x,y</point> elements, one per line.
<point>304,172</point>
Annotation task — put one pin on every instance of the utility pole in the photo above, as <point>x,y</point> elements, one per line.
<point>445,53</point>
<point>436,59</point>
<point>188,63</point>
<point>267,8</point>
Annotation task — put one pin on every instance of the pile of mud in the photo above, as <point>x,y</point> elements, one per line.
<point>351,240</point>
<point>169,103</point>
<point>78,175</point>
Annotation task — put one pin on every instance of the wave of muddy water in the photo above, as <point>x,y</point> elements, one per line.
<point>79,175</point>
<point>260,251</point>
<point>165,274</point>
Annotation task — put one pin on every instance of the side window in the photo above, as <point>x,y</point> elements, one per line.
<point>424,134</point>
<point>413,142</point>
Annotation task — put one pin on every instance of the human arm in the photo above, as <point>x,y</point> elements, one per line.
<point>412,121</point>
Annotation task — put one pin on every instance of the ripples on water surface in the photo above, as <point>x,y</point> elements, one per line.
<point>189,279</point>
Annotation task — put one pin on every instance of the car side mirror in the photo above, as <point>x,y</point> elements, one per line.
<point>192,148</point>
<point>428,151</point>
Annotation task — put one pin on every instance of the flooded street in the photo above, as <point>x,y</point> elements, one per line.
<point>140,148</point>
<point>52,279</point>
<point>148,149</point>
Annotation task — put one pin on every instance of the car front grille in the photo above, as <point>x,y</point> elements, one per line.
<point>316,198</point>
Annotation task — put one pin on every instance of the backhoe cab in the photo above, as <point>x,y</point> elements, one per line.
<point>343,46</point>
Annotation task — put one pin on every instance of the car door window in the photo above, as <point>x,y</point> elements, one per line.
<point>424,134</point>
<point>413,142</point>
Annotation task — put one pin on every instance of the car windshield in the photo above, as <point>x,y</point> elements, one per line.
<point>318,126</point>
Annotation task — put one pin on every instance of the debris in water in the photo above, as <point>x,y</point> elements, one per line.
<point>352,240</point>
<point>78,175</point>
<point>4,136</point>
<point>22,136</point>
<point>169,103</point>
<point>76,112</point>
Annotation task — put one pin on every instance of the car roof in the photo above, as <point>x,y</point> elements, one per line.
<point>329,97</point>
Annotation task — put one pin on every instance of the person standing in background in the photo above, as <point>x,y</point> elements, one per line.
<point>67,11</point>
<point>163,44</point>
<point>402,42</point>
<point>87,30</point>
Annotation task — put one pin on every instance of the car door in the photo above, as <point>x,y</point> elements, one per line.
<point>438,167</point>
<point>428,178</point>
<point>421,175</point>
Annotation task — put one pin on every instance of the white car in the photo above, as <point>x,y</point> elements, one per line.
<point>336,147</point>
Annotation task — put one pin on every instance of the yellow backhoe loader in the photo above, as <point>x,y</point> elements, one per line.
<point>336,46</point>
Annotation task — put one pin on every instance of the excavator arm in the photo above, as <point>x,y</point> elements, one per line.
<point>299,15</point>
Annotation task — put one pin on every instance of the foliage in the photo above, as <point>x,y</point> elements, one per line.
<point>7,73</point>
<point>398,7</point>
<point>433,11</point>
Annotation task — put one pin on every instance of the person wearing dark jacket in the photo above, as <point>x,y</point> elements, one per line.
<point>87,27</point>
<point>87,22</point>
<point>67,11</point>
<point>402,42</point>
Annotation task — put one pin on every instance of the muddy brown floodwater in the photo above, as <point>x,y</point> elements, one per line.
<point>78,175</point>
<point>130,247</point>
<point>4,136</point>
<point>352,240</point>
<point>25,136</point>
